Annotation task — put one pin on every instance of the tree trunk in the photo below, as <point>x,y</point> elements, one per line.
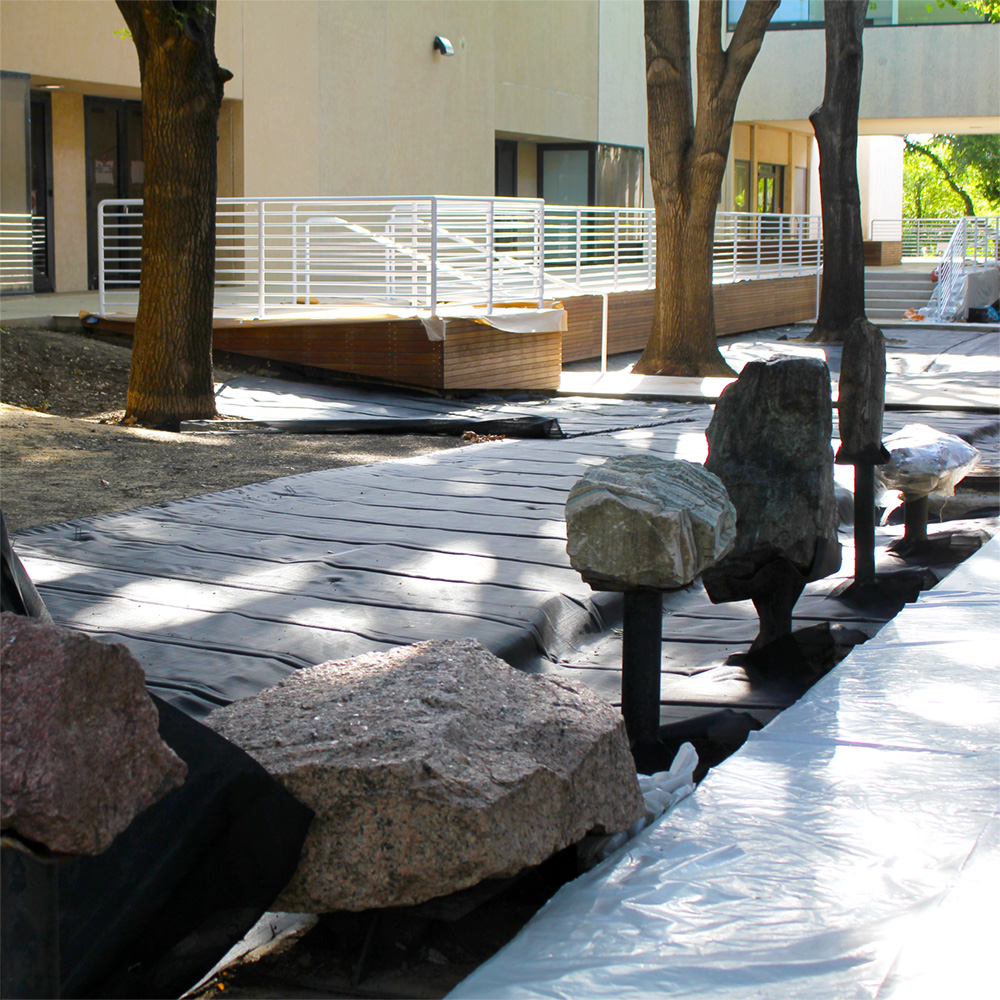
<point>687,162</point>
<point>842,299</point>
<point>171,374</point>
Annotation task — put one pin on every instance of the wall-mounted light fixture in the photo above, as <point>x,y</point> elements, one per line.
<point>442,45</point>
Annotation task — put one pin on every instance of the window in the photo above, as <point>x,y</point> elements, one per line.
<point>809,13</point>
<point>586,173</point>
<point>770,187</point>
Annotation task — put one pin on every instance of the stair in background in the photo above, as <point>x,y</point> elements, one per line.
<point>889,292</point>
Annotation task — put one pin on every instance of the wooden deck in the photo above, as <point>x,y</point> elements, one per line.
<point>476,356</point>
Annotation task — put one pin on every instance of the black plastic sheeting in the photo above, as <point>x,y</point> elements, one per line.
<point>188,878</point>
<point>191,875</point>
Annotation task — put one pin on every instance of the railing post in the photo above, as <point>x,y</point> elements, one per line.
<point>650,248</point>
<point>101,301</point>
<point>434,255</point>
<point>781,249</point>
<point>760,244</point>
<point>798,273</point>
<point>489,253</point>
<point>617,231</point>
<point>261,304</point>
<point>579,243</point>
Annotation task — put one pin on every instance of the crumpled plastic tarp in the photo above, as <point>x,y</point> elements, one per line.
<point>840,853</point>
<point>924,461</point>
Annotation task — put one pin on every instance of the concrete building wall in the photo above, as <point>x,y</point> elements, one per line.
<point>621,117</point>
<point>911,72</point>
<point>880,178</point>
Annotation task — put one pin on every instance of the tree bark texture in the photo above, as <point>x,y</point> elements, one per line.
<point>842,299</point>
<point>182,83</point>
<point>687,162</point>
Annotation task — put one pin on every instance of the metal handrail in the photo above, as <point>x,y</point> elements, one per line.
<point>286,255</point>
<point>974,244</point>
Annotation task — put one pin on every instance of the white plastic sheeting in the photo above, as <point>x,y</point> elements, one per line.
<point>850,849</point>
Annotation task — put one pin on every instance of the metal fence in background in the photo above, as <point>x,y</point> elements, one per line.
<point>16,271</point>
<point>926,238</point>
<point>286,255</point>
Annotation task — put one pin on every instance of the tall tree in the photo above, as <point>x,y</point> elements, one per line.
<point>842,299</point>
<point>182,83</point>
<point>687,161</point>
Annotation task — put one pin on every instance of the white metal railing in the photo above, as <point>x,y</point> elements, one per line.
<point>615,248</point>
<point>16,273</point>
<point>927,238</point>
<point>275,254</point>
<point>974,244</point>
<point>279,254</point>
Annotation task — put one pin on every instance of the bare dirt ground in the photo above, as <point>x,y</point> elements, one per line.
<point>63,454</point>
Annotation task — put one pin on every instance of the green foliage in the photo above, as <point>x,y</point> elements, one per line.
<point>971,161</point>
<point>990,9</point>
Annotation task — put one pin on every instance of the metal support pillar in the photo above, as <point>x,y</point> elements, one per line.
<point>864,524</point>
<point>915,520</point>
<point>642,628</point>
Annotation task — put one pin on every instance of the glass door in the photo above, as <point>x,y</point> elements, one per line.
<point>115,169</point>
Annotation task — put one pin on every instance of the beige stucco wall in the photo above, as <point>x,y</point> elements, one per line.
<point>397,117</point>
<point>547,70</point>
<point>69,192</point>
<point>621,109</point>
<point>909,73</point>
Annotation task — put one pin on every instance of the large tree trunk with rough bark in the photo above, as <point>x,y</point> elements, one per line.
<point>835,121</point>
<point>687,162</point>
<point>171,374</point>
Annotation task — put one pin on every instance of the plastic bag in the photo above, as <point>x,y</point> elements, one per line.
<point>924,461</point>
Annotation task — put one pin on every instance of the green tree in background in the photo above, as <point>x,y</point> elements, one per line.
<point>951,175</point>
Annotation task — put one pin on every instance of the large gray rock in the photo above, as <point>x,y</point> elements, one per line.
<point>81,755</point>
<point>769,442</point>
<point>432,767</point>
<point>642,521</point>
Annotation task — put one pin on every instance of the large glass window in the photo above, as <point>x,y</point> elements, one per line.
<point>619,176</point>
<point>591,174</point>
<point>809,13</point>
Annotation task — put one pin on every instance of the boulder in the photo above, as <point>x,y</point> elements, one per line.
<point>769,443</point>
<point>432,767</point>
<point>81,755</point>
<point>646,522</point>
<point>862,395</point>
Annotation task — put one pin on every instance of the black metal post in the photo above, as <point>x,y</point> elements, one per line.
<point>915,520</point>
<point>642,628</point>
<point>29,927</point>
<point>864,524</point>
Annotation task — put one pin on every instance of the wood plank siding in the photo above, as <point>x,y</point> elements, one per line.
<point>746,305</point>
<point>476,356</point>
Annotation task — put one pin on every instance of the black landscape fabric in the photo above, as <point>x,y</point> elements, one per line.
<point>189,877</point>
<point>192,874</point>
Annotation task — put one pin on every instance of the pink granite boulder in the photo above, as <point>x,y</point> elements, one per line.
<point>432,767</point>
<point>81,755</point>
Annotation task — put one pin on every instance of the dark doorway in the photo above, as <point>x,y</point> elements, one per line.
<point>505,168</point>
<point>115,169</point>
<point>43,264</point>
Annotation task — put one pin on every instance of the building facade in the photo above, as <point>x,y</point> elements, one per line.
<point>537,98</point>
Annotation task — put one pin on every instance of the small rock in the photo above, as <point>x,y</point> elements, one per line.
<point>81,755</point>
<point>433,767</point>
<point>642,521</point>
